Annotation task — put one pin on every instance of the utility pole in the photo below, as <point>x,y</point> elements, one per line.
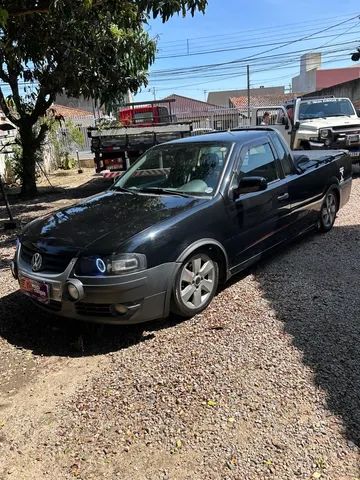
<point>248,91</point>
<point>154,92</point>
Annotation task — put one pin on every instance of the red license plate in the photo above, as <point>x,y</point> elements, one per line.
<point>39,291</point>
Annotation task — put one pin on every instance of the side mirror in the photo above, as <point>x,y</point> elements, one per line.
<point>249,185</point>
<point>297,125</point>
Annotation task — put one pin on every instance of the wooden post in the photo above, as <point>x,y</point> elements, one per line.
<point>11,223</point>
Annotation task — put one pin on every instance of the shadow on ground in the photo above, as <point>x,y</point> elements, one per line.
<point>23,325</point>
<point>314,288</point>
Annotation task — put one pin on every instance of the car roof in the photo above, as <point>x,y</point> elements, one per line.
<point>241,135</point>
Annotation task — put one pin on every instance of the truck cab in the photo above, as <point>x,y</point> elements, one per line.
<point>325,123</point>
<point>312,123</point>
<point>145,115</point>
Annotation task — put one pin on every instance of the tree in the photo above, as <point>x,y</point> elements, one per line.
<point>95,48</point>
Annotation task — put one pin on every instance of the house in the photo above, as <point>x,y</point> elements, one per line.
<point>181,105</point>
<point>222,98</point>
<point>241,102</point>
<point>203,115</point>
<point>71,112</point>
<point>313,78</point>
<point>87,104</point>
<point>350,89</point>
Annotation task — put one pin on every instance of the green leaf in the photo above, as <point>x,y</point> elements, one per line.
<point>4,15</point>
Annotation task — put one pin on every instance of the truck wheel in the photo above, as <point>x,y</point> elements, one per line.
<point>328,211</point>
<point>195,285</point>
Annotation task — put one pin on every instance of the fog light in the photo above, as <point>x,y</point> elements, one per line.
<point>327,142</point>
<point>14,270</point>
<point>121,309</point>
<point>75,290</point>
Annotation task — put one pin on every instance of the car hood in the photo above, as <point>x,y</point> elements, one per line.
<point>108,219</point>
<point>328,122</point>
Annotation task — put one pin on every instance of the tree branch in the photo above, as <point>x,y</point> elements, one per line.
<point>13,82</point>
<point>41,135</point>
<point>42,105</point>
<point>5,108</point>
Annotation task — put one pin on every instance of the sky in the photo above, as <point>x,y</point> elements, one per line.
<point>243,32</point>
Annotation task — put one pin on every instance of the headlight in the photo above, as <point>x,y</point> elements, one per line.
<point>324,133</point>
<point>111,265</point>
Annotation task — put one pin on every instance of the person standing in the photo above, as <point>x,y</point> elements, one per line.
<point>265,119</point>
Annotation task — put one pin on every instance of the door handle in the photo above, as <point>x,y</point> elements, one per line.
<point>284,196</point>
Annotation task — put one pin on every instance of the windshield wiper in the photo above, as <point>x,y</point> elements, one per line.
<point>162,190</point>
<point>122,189</point>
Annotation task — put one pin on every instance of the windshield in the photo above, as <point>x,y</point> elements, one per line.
<point>330,107</point>
<point>186,168</point>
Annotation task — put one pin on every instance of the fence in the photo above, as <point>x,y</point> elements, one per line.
<point>203,119</point>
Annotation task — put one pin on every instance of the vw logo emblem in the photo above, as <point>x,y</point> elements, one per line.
<point>36,262</point>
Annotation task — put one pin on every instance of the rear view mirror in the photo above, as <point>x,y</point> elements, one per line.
<point>250,184</point>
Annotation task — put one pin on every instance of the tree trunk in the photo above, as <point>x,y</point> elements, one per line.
<point>28,159</point>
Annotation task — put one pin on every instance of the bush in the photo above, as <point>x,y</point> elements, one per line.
<point>64,141</point>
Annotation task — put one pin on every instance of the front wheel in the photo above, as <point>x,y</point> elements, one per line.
<point>328,211</point>
<point>195,285</point>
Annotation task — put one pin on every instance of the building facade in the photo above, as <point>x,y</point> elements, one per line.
<point>312,78</point>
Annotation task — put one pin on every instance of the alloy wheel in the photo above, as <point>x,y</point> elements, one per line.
<point>197,281</point>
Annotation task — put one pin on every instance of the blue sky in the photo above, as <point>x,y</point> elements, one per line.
<point>241,24</point>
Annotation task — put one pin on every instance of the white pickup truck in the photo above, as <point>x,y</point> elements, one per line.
<point>312,123</point>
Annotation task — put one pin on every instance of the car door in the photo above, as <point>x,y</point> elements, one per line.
<point>305,189</point>
<point>258,218</point>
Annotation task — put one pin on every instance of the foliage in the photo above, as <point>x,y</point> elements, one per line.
<point>64,140</point>
<point>95,48</point>
<point>13,167</point>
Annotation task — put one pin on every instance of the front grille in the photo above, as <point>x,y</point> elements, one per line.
<point>93,309</point>
<point>352,129</point>
<point>50,263</point>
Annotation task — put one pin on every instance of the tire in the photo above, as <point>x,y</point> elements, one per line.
<point>195,285</point>
<point>328,211</point>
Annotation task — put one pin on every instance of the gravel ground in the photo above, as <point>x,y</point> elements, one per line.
<point>264,384</point>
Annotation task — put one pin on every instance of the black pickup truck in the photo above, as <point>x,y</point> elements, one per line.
<point>186,216</point>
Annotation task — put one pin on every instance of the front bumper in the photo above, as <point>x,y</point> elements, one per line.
<point>145,295</point>
<point>339,143</point>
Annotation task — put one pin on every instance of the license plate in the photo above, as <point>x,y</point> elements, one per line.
<point>39,291</point>
<point>353,138</point>
<point>354,154</point>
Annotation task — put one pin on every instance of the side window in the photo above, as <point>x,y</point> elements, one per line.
<point>283,155</point>
<point>258,161</point>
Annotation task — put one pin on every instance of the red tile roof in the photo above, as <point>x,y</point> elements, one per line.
<point>70,112</point>
<point>261,100</point>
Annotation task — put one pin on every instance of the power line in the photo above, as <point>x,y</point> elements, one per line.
<point>246,46</point>
<point>284,58</point>
<point>246,59</point>
<point>316,21</point>
<point>232,75</point>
